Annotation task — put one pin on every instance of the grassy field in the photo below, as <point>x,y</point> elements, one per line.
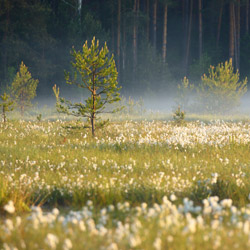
<point>137,185</point>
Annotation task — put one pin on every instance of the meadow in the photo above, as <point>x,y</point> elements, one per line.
<point>136,185</point>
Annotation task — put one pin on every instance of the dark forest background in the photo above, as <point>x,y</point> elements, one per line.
<point>155,42</point>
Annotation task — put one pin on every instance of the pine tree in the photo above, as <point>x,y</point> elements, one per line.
<point>23,88</point>
<point>98,75</point>
<point>221,90</point>
<point>6,105</point>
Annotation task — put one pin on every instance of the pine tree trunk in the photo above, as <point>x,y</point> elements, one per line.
<point>93,114</point>
<point>135,38</point>
<point>235,38</point>
<point>185,12</point>
<point>200,29</point>
<point>247,17</point>
<point>22,104</point>
<point>231,32</point>
<point>124,40</point>
<point>238,35</point>
<point>164,43</point>
<point>154,23</point>
<point>148,20</point>
<point>219,24</point>
<point>80,9</point>
<point>5,46</point>
<point>189,36</point>
<point>112,28</point>
<point>94,104</point>
<point>118,36</point>
<point>4,115</point>
<point>93,126</point>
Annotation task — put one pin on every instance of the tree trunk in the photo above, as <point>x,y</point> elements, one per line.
<point>118,36</point>
<point>93,113</point>
<point>154,24</point>
<point>4,114</point>
<point>185,11</point>
<point>124,40</point>
<point>164,43</point>
<point>93,126</point>
<point>235,38</point>
<point>135,38</point>
<point>22,104</point>
<point>112,28</point>
<point>148,20</point>
<point>231,32</point>
<point>189,36</point>
<point>219,24</point>
<point>200,29</point>
<point>93,107</point>
<point>5,37</point>
<point>238,36</point>
<point>247,17</point>
<point>80,9</point>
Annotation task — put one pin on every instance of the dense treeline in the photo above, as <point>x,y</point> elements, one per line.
<point>155,42</point>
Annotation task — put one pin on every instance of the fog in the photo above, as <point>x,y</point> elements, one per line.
<point>164,103</point>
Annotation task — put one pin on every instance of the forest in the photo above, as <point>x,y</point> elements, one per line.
<point>155,42</point>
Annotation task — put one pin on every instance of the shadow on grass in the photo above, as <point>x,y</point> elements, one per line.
<point>135,196</point>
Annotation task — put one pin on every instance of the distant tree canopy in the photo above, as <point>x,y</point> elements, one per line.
<point>155,42</point>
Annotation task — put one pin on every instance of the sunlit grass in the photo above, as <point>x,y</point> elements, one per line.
<point>128,170</point>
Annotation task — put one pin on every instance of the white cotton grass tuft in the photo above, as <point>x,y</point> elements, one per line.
<point>9,207</point>
<point>51,240</point>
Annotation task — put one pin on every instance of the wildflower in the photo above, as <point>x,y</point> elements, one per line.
<point>134,240</point>
<point>173,197</point>
<point>9,225</point>
<point>170,238</point>
<point>9,207</point>
<point>246,227</point>
<point>226,203</point>
<point>215,224</point>
<point>82,226</point>
<point>157,244</point>
<point>112,246</point>
<point>55,211</point>
<point>51,240</point>
<point>18,221</point>
<point>67,244</point>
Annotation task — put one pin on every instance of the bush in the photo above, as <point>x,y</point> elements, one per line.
<point>185,91</point>
<point>221,90</point>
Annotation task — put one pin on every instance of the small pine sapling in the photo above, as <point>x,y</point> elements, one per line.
<point>23,88</point>
<point>221,90</point>
<point>39,117</point>
<point>6,105</point>
<point>98,74</point>
<point>179,116</point>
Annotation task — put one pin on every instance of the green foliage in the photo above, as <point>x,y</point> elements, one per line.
<point>56,91</point>
<point>98,75</point>
<point>221,90</point>
<point>185,90</point>
<point>131,107</point>
<point>179,116</point>
<point>39,117</point>
<point>23,88</point>
<point>200,67</point>
<point>152,76</point>
<point>6,105</point>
